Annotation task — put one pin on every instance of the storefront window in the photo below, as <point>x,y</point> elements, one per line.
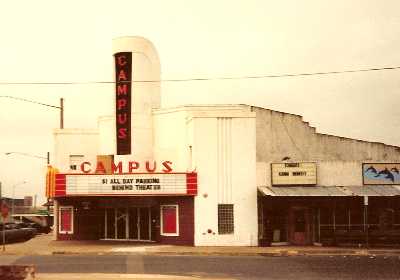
<point>66,220</point>
<point>341,214</point>
<point>396,218</point>
<point>169,220</point>
<point>326,216</point>
<point>357,219</point>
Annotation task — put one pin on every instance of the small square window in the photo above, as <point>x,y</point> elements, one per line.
<point>225,219</point>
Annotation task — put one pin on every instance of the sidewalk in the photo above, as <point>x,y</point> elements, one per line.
<point>98,276</point>
<point>44,245</point>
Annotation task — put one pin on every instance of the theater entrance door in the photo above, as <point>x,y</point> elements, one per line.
<point>129,223</point>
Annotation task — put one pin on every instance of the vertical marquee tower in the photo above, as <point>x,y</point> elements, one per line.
<point>137,92</point>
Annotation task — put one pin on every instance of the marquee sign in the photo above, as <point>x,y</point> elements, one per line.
<point>294,173</point>
<point>123,78</point>
<point>381,173</point>
<point>126,184</point>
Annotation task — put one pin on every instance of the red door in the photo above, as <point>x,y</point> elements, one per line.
<point>299,224</point>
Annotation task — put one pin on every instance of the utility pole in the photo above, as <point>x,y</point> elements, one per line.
<point>3,220</point>
<point>61,113</point>
<point>61,107</point>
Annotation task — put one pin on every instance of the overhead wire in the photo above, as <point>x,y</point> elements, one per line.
<point>210,78</point>
<point>30,101</point>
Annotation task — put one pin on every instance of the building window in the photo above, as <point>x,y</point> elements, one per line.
<point>225,219</point>
<point>66,220</point>
<point>75,161</point>
<point>169,220</point>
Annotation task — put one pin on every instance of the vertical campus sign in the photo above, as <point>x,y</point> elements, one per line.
<point>123,78</point>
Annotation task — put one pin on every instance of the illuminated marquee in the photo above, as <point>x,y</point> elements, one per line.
<point>123,77</point>
<point>126,184</point>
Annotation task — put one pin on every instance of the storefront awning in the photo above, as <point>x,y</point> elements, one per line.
<point>370,190</point>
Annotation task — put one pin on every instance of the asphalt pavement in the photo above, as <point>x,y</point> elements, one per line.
<point>210,267</point>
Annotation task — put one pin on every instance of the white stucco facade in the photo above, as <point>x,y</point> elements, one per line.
<point>214,141</point>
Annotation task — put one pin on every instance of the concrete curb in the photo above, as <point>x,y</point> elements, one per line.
<point>282,253</point>
<point>103,276</point>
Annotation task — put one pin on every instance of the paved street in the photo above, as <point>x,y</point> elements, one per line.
<point>230,267</point>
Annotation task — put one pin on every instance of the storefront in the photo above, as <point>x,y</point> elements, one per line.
<point>368,214</point>
<point>330,220</point>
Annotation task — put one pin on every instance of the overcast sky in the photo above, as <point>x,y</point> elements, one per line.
<point>55,41</point>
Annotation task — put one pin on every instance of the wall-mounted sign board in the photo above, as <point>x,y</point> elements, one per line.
<point>294,173</point>
<point>381,173</point>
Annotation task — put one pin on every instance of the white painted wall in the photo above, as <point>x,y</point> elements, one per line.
<point>339,160</point>
<point>224,157</point>
<point>263,178</point>
<point>282,135</point>
<point>170,138</point>
<point>218,142</point>
<point>107,138</point>
<point>73,141</point>
<point>339,173</point>
<point>329,173</point>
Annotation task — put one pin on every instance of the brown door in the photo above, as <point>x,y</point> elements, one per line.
<point>299,226</point>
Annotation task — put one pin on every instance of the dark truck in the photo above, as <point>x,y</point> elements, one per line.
<point>15,232</point>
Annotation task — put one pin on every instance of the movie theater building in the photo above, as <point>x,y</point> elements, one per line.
<point>213,175</point>
<point>181,175</point>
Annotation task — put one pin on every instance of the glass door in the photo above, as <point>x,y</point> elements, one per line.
<point>145,223</point>
<point>121,223</point>
<point>133,223</point>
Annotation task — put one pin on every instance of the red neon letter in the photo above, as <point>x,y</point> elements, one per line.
<point>167,166</point>
<point>116,167</point>
<point>133,165</point>
<point>100,168</point>
<point>122,133</point>
<point>121,103</point>
<point>122,89</point>
<point>83,167</point>
<point>151,169</point>
<point>121,60</point>
<point>122,118</point>
<point>122,75</point>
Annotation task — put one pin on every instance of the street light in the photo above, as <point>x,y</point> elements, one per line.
<point>47,158</point>
<point>13,196</point>
<point>61,107</point>
<point>29,155</point>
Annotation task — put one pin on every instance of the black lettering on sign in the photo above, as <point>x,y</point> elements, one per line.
<point>283,173</point>
<point>292,164</point>
<point>123,78</point>
<point>300,173</point>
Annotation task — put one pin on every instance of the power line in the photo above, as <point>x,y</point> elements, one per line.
<point>209,78</point>
<point>30,101</point>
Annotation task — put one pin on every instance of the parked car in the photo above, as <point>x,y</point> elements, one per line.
<point>14,233</point>
<point>39,228</point>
